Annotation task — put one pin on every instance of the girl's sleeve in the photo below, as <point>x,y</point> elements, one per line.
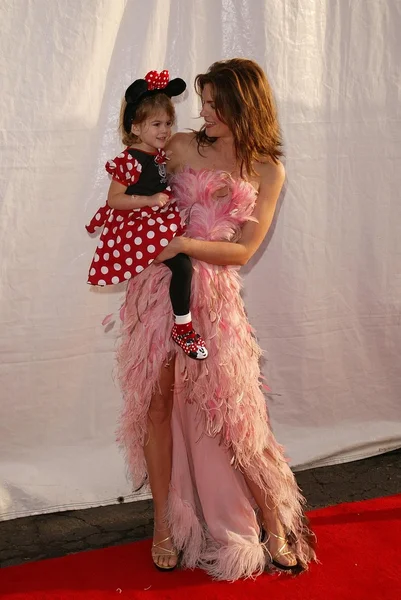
<point>124,169</point>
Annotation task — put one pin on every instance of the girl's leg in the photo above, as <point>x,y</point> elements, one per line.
<point>272,525</point>
<point>180,284</point>
<point>180,293</point>
<point>158,453</point>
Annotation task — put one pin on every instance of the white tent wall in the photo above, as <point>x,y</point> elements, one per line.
<point>324,290</point>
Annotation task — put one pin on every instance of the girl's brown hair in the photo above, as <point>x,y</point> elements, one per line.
<point>148,107</point>
<point>244,101</point>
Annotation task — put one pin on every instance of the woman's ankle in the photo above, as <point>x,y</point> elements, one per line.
<point>272,523</point>
<point>160,522</point>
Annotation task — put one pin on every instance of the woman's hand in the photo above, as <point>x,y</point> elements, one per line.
<point>176,246</point>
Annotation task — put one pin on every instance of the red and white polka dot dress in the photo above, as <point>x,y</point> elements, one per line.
<point>132,239</point>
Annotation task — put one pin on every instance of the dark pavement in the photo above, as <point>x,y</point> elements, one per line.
<point>57,534</point>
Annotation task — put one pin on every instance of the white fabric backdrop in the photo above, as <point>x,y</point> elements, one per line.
<point>324,297</point>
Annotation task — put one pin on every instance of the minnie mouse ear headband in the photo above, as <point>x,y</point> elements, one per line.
<point>154,83</point>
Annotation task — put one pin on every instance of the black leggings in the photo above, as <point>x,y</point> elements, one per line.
<point>180,285</point>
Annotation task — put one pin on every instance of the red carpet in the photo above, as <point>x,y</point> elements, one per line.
<point>357,546</point>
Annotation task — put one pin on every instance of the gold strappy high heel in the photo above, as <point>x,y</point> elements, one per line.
<point>164,552</point>
<point>297,567</point>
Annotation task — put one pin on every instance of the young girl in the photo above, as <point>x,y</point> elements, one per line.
<point>140,217</point>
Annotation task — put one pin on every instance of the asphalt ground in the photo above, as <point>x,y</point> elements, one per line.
<point>57,534</point>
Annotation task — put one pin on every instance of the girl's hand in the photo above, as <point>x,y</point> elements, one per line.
<point>159,200</point>
<point>176,246</point>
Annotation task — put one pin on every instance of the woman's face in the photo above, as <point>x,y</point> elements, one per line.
<point>214,126</point>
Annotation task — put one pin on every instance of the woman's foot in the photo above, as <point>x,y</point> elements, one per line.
<point>164,555</point>
<point>278,546</point>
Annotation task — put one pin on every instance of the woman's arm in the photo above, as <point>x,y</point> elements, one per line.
<point>253,233</point>
<point>117,198</point>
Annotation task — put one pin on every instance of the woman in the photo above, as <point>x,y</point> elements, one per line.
<point>224,496</point>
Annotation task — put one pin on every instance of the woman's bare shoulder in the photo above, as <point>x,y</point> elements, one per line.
<point>178,148</point>
<point>181,141</point>
<point>271,171</point>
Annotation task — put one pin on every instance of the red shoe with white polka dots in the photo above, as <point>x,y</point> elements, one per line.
<point>191,342</point>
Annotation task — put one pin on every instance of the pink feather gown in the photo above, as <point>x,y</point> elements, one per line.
<point>220,423</point>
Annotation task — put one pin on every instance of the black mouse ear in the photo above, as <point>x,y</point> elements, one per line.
<point>136,90</point>
<point>175,87</point>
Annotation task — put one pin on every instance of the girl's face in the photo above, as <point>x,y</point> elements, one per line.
<point>154,132</point>
<point>214,126</point>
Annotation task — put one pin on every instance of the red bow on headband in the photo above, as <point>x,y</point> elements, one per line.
<point>157,81</point>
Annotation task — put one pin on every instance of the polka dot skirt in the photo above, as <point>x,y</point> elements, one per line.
<point>131,240</point>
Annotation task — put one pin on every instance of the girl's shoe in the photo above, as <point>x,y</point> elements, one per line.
<point>190,341</point>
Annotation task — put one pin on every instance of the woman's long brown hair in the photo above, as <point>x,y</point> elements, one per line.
<point>244,101</point>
